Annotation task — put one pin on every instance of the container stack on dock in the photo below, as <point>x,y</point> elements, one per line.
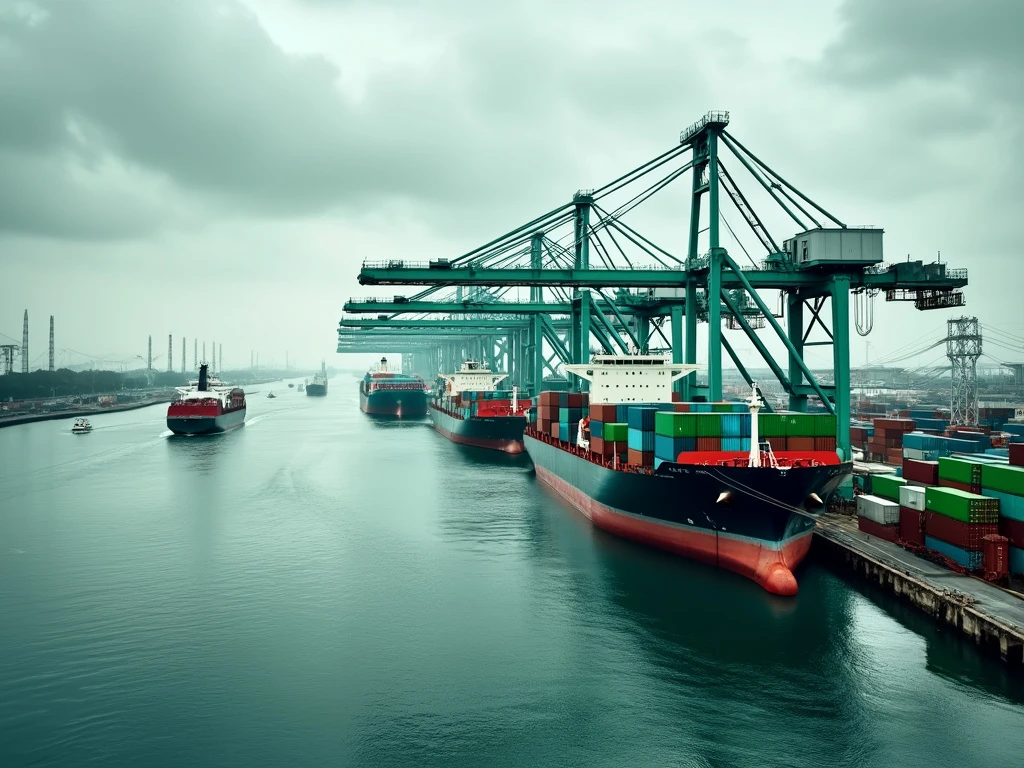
<point>968,507</point>
<point>878,516</point>
<point>956,522</point>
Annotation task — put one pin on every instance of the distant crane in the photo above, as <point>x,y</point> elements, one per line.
<point>963,348</point>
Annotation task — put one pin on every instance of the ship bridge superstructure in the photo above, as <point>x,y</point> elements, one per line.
<point>473,376</point>
<point>631,378</point>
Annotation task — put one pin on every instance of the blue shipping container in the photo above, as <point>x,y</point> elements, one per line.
<point>642,417</point>
<point>967,559</point>
<point>640,440</point>
<point>1016,558</point>
<point>1010,506</point>
<point>668,448</point>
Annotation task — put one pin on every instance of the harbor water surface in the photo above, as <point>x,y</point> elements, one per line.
<point>321,587</point>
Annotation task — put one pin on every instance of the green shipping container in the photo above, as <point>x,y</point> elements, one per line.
<point>801,424</point>
<point>721,407</point>
<point>961,505</point>
<point>670,424</point>
<point>771,425</point>
<point>824,425</point>
<point>957,470</point>
<point>1003,478</point>
<point>887,486</point>
<point>616,433</point>
<point>709,425</point>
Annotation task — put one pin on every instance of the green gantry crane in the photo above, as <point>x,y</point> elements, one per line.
<point>619,299</point>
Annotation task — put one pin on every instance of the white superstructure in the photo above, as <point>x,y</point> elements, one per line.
<point>473,377</point>
<point>214,389</point>
<point>631,378</point>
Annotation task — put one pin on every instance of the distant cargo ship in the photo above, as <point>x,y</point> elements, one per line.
<point>384,392</point>
<point>206,407</point>
<point>467,408</point>
<point>318,386</point>
<point>701,484</point>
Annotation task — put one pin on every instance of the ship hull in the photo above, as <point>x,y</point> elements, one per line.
<point>407,403</point>
<point>205,424</point>
<point>498,433</point>
<point>316,390</point>
<point>677,509</point>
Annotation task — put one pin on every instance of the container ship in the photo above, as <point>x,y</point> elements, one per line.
<point>318,386</point>
<point>716,482</point>
<point>384,392</point>
<point>468,408</point>
<point>205,407</point>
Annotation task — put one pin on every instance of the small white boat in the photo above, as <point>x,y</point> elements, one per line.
<point>81,426</point>
<point>271,394</point>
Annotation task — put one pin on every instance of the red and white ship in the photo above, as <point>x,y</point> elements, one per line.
<point>206,407</point>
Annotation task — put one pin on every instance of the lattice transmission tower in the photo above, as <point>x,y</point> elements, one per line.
<point>963,348</point>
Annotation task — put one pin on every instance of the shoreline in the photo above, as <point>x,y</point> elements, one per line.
<point>77,413</point>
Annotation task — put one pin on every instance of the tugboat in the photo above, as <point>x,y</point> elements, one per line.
<point>81,426</point>
<point>206,407</point>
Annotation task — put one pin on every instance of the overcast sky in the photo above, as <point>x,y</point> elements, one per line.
<point>220,168</point>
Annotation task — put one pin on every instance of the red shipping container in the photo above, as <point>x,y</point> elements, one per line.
<point>603,412</point>
<point>1017,454</point>
<point>923,472</point>
<point>912,526</point>
<point>640,458</point>
<point>600,447</point>
<point>894,456</point>
<point>996,557</point>
<point>887,532</point>
<point>575,399</point>
<point>709,443</point>
<point>824,443</point>
<point>898,425</point>
<point>777,443</point>
<point>1013,530</point>
<point>677,396</point>
<point>799,443</point>
<point>964,535</point>
<point>954,484</point>
<point>681,408</point>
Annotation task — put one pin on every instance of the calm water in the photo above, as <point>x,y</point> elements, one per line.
<point>321,589</point>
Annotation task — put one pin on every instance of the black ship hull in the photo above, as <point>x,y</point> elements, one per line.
<point>499,433</point>
<point>748,520</point>
<point>206,425</point>
<point>400,403</point>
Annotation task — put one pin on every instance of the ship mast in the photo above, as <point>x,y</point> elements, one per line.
<point>755,449</point>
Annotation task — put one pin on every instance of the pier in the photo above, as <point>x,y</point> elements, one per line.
<point>989,615</point>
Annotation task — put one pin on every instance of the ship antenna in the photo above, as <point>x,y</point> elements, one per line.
<point>755,449</point>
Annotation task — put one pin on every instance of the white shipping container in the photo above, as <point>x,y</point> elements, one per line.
<point>915,453</point>
<point>878,510</point>
<point>912,497</point>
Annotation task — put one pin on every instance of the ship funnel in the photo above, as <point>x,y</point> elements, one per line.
<point>203,383</point>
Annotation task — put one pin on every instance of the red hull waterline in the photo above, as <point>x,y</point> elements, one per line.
<point>508,446</point>
<point>770,566</point>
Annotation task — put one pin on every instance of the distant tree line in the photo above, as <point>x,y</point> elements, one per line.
<point>67,383</point>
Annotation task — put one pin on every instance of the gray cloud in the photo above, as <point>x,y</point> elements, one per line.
<point>197,96</point>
